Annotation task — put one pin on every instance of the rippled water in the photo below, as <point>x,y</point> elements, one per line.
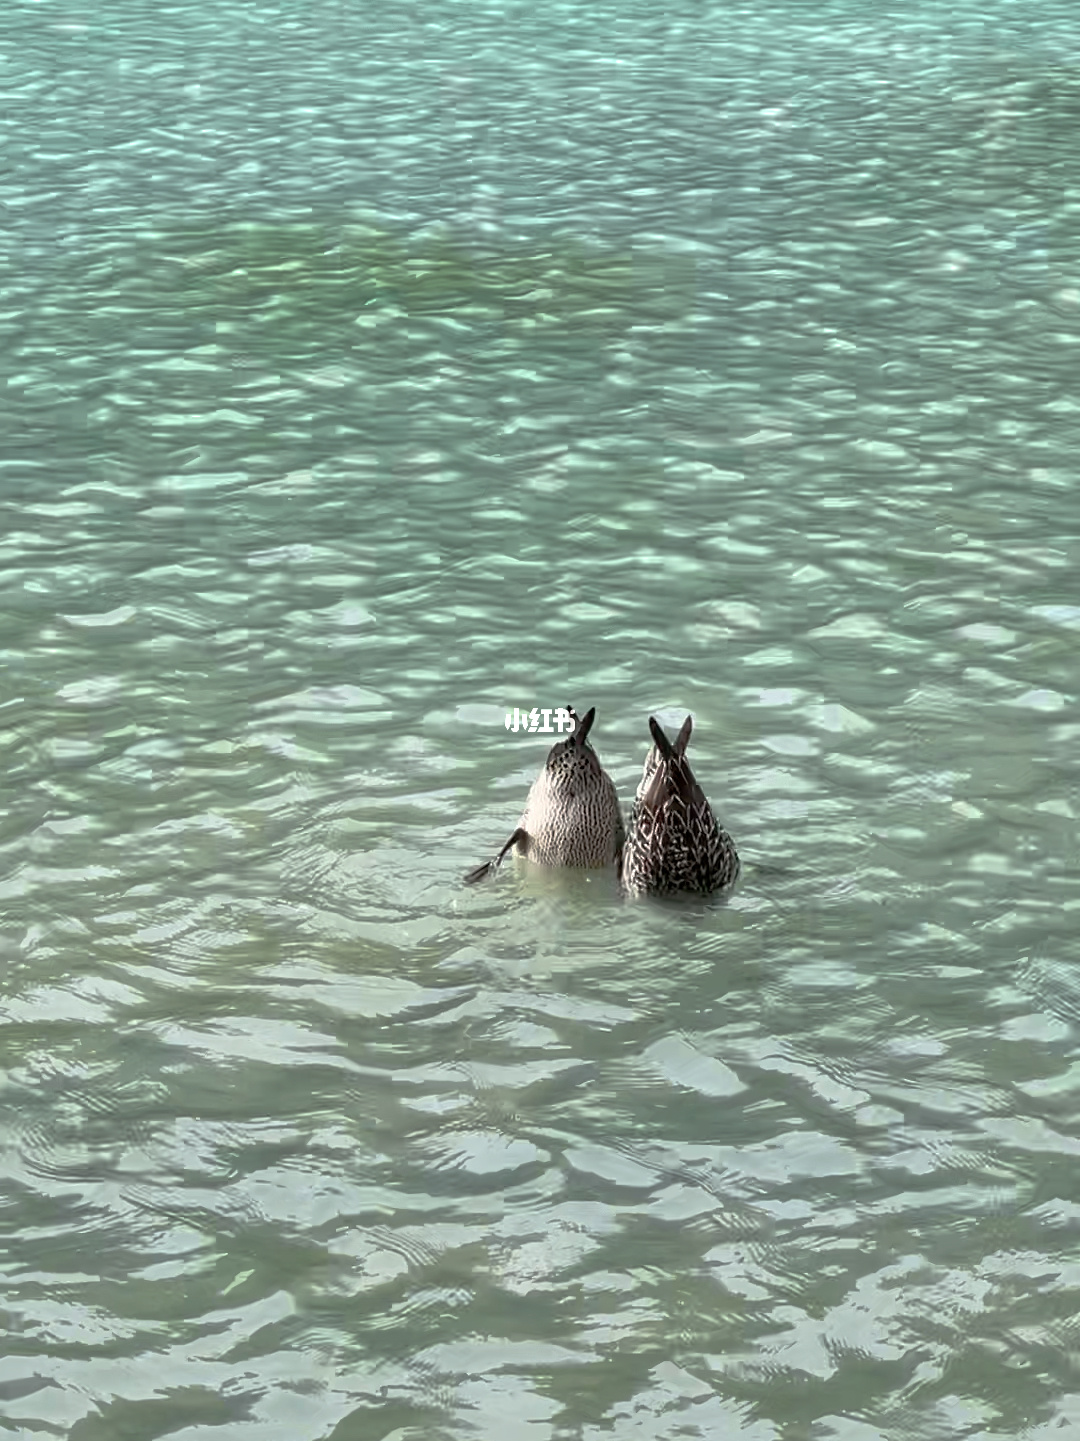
<point>369,371</point>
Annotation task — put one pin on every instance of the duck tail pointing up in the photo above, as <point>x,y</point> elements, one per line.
<point>664,746</point>
<point>672,776</point>
<point>660,740</point>
<point>582,724</point>
<point>682,740</point>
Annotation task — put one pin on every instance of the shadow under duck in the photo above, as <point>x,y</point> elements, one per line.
<point>571,815</point>
<point>675,844</point>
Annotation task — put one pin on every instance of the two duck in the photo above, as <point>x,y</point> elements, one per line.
<point>572,818</point>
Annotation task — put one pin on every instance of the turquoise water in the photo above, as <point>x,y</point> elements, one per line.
<point>368,371</point>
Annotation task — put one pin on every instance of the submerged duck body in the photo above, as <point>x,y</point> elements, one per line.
<point>675,843</point>
<point>571,815</point>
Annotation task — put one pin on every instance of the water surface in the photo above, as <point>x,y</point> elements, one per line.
<point>368,372</point>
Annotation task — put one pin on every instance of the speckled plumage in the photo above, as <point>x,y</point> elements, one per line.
<point>571,815</point>
<point>675,843</point>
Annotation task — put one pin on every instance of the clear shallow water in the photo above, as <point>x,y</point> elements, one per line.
<point>368,374</point>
